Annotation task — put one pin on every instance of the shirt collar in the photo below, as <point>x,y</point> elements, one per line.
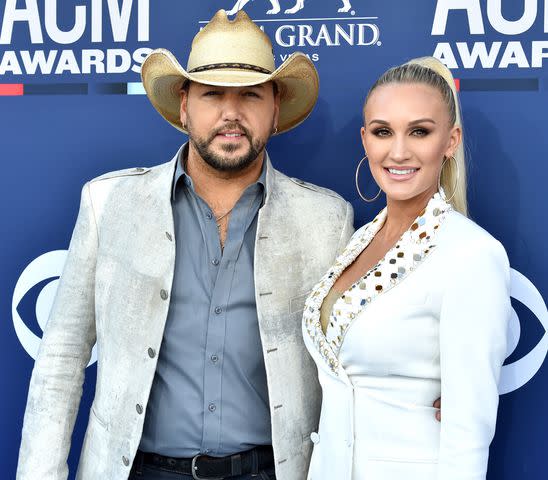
<point>183,178</point>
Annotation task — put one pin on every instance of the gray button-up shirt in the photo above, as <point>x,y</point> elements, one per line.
<point>210,392</point>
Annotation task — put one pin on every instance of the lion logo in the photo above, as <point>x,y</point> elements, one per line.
<point>299,5</point>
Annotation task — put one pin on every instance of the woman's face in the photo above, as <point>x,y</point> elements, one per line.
<point>406,135</point>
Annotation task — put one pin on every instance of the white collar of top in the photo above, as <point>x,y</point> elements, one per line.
<point>413,247</point>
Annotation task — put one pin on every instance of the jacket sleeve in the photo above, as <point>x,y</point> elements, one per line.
<point>56,383</point>
<point>473,324</point>
<point>347,228</point>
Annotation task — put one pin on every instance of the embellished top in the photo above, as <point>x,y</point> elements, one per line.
<point>413,247</point>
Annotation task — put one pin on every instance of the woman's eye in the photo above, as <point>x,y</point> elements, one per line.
<point>419,132</point>
<point>251,94</point>
<point>211,93</point>
<point>381,132</point>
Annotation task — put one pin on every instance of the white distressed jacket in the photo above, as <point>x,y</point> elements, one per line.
<point>114,290</point>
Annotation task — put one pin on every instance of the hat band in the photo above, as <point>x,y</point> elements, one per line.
<point>239,66</point>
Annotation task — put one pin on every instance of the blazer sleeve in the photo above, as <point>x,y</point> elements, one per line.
<point>347,228</point>
<point>473,324</point>
<point>56,383</point>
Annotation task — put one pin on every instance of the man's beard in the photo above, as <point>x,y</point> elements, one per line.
<point>224,163</point>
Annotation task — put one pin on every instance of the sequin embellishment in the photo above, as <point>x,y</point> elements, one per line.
<point>415,245</point>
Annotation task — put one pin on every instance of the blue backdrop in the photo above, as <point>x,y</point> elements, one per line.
<point>73,108</point>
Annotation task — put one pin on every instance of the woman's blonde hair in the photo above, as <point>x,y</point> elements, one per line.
<point>430,71</point>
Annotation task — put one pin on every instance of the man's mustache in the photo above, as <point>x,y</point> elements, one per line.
<point>231,126</point>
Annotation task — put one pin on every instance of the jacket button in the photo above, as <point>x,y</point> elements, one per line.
<point>139,409</point>
<point>125,460</point>
<point>151,353</point>
<point>163,294</point>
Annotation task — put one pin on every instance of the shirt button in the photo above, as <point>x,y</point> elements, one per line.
<point>212,407</point>
<point>151,353</point>
<point>139,409</point>
<point>214,358</point>
<point>215,261</point>
<point>209,216</point>
<point>125,460</point>
<point>218,310</point>
<point>163,294</point>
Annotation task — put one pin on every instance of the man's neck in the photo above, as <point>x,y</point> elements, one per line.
<point>219,189</point>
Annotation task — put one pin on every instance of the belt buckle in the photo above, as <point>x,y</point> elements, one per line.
<point>194,470</point>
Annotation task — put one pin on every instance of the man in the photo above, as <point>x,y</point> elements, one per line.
<point>191,277</point>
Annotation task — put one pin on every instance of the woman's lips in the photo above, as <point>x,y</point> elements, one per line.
<point>400,174</point>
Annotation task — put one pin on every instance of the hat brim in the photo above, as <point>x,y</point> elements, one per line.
<point>296,78</point>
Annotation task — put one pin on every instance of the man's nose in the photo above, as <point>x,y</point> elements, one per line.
<point>232,108</point>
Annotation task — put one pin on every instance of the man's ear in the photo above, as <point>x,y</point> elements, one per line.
<point>183,106</point>
<point>277,100</point>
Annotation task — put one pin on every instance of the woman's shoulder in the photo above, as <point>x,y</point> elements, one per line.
<point>460,228</point>
<point>461,236</point>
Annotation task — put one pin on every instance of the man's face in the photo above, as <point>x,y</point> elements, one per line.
<point>229,126</point>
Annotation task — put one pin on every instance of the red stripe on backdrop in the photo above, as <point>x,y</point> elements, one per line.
<point>457,84</point>
<point>11,89</point>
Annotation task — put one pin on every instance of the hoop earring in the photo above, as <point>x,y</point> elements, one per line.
<point>275,131</point>
<point>369,200</point>
<point>452,157</point>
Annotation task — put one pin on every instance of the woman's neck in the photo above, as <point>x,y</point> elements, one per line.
<point>401,214</point>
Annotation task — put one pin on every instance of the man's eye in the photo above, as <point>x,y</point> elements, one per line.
<point>210,93</point>
<point>251,94</point>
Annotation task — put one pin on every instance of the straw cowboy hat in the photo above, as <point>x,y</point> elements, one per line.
<point>232,54</point>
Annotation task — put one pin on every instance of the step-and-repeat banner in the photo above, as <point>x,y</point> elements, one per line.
<point>72,108</point>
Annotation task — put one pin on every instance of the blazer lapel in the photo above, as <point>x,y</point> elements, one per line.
<point>408,253</point>
<point>311,315</point>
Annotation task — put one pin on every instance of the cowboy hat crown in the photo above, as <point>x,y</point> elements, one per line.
<point>244,46</point>
<point>233,54</point>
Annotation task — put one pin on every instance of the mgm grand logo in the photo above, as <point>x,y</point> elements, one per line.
<point>342,28</point>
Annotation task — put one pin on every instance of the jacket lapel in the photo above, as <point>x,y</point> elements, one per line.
<point>408,253</point>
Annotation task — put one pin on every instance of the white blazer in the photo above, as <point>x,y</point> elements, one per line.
<point>114,290</point>
<point>428,321</point>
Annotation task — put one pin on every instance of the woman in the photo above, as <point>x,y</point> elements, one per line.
<point>415,307</point>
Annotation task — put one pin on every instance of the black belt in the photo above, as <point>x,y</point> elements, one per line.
<point>203,467</point>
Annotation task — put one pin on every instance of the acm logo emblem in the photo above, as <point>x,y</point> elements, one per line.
<point>49,266</point>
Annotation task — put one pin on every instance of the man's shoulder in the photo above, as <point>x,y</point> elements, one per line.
<point>126,172</point>
<point>128,176</point>
<point>306,188</point>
